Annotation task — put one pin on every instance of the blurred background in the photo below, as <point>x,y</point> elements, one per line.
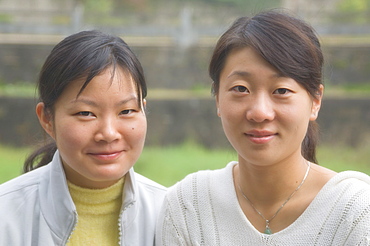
<point>174,40</point>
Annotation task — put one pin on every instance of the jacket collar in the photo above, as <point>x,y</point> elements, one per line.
<point>129,189</point>
<point>57,205</point>
<point>55,201</point>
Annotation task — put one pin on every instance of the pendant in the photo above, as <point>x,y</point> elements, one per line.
<point>268,230</point>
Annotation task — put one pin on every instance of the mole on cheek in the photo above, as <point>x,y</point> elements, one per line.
<point>133,128</point>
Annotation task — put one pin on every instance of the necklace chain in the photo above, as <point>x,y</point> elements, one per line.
<point>267,229</point>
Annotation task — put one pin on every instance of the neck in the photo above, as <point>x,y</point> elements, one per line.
<point>266,185</point>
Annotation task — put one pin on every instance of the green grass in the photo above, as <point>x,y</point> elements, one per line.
<point>341,158</point>
<point>11,162</point>
<point>171,164</point>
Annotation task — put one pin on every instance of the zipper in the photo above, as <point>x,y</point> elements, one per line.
<point>74,226</point>
<point>120,223</point>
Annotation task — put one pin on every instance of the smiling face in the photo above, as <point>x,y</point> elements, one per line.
<point>100,133</point>
<point>264,115</point>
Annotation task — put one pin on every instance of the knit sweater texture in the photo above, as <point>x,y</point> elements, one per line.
<point>203,209</point>
<point>98,212</point>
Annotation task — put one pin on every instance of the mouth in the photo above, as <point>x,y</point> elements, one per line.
<point>260,137</point>
<point>106,156</point>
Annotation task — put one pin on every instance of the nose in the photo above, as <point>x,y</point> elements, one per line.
<point>107,131</point>
<point>260,109</point>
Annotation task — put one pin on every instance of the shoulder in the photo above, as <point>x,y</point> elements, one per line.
<point>22,183</point>
<point>20,196</point>
<point>148,189</point>
<point>204,176</point>
<point>349,192</point>
<point>347,186</point>
<point>146,183</point>
<point>351,181</point>
<point>355,187</point>
<point>202,183</point>
<point>193,205</point>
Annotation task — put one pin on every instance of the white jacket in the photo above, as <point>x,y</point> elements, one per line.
<point>36,208</point>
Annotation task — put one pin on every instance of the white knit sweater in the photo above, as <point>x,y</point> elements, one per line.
<point>203,210</point>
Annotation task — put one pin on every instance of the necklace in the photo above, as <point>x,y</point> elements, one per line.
<point>267,229</point>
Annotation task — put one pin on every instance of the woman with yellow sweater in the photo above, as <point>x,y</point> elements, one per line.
<point>81,189</point>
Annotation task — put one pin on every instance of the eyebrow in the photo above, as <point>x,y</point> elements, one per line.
<point>94,104</point>
<point>239,73</point>
<point>248,74</point>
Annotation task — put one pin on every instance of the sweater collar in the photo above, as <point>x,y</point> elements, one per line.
<point>97,201</point>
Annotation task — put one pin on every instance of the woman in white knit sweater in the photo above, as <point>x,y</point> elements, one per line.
<point>267,80</point>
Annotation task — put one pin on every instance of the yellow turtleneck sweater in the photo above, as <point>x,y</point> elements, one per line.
<point>98,211</point>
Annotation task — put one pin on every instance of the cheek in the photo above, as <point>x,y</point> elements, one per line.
<point>71,136</point>
<point>136,131</point>
<point>233,121</point>
<point>298,111</point>
<point>137,134</point>
<point>232,114</point>
<point>228,107</point>
<point>295,120</point>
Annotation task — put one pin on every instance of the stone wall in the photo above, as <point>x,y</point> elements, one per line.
<point>174,121</point>
<point>173,67</point>
<point>342,121</point>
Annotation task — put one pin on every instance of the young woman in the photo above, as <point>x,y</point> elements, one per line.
<point>267,73</point>
<point>83,190</point>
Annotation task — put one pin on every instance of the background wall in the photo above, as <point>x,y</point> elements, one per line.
<point>343,121</point>
<point>174,41</point>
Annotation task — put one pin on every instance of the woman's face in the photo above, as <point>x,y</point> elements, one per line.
<point>264,115</point>
<point>100,133</point>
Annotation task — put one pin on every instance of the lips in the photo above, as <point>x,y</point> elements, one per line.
<point>106,156</point>
<point>260,136</point>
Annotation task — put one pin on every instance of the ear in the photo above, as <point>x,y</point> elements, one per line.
<point>316,103</point>
<point>143,106</point>
<point>45,119</point>
<point>144,103</point>
<point>218,106</point>
<point>217,99</point>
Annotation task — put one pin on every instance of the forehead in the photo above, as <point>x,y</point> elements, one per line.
<point>245,59</point>
<point>110,80</point>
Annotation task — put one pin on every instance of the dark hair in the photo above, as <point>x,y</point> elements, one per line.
<point>83,55</point>
<point>288,44</point>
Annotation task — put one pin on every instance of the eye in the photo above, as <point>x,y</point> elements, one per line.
<point>240,88</point>
<point>282,91</point>
<point>84,113</point>
<point>127,111</point>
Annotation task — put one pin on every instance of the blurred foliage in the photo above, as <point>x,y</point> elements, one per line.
<point>103,6</point>
<point>353,11</point>
<point>118,12</point>
<point>144,10</point>
<point>5,18</point>
<point>244,3</point>
<point>354,5</point>
<point>26,89</point>
<point>20,89</point>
